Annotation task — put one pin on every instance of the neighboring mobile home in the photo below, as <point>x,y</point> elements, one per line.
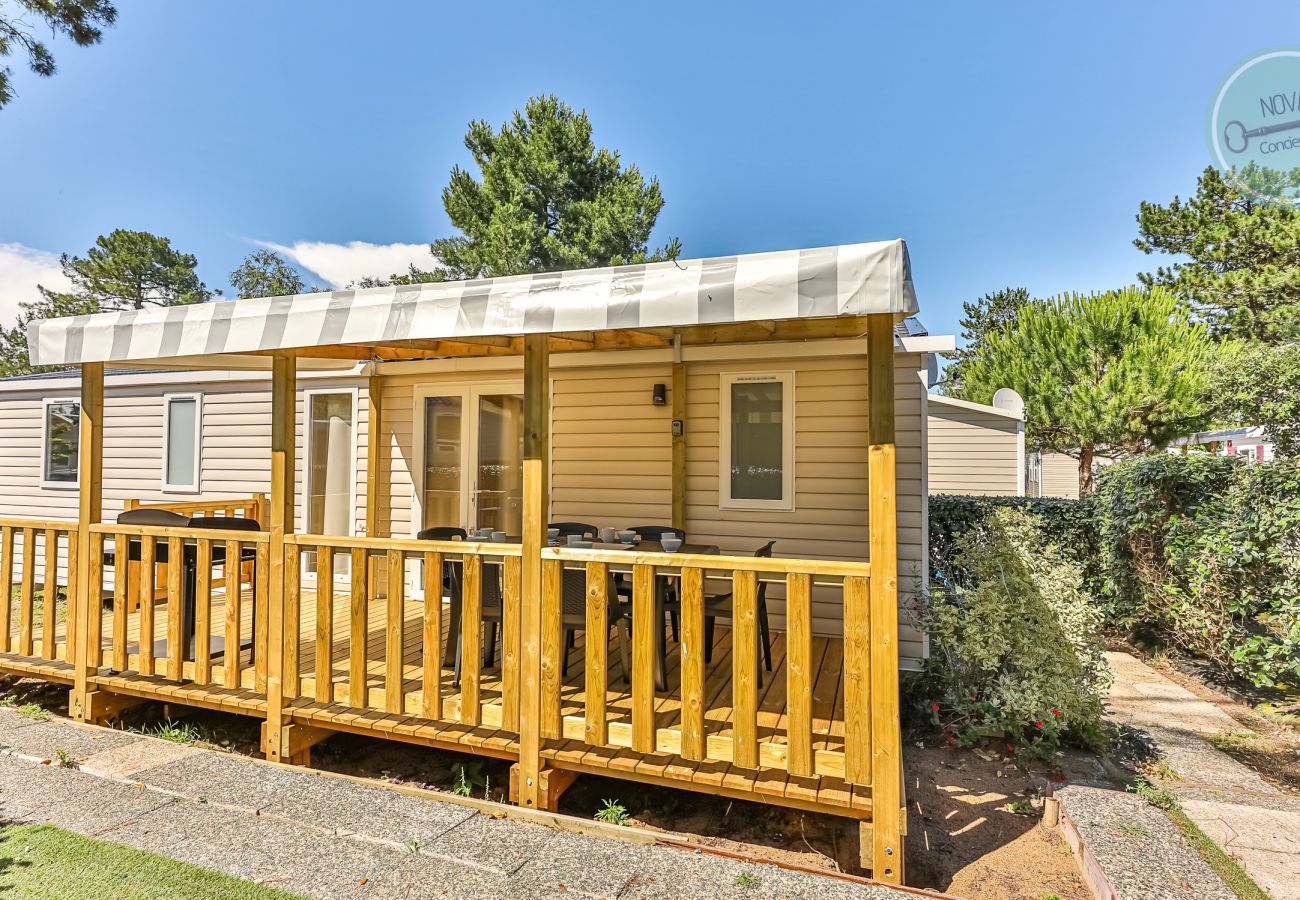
<point>974,448</point>
<point>743,400</point>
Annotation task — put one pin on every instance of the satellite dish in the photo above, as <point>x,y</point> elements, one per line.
<point>1007,399</point>
<point>931,370</point>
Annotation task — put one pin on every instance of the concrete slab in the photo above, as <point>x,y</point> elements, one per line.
<point>145,753</point>
<point>1266,842</point>
<point>1141,696</point>
<point>42,740</point>
<point>494,845</point>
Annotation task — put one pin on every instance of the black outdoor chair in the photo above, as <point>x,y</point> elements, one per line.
<point>672,603</point>
<point>450,584</point>
<point>578,529</point>
<point>720,605</point>
<point>234,570</point>
<point>443,533</point>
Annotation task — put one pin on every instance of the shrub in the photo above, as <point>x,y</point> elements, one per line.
<point>1206,552</point>
<point>1066,523</point>
<point>1015,646</point>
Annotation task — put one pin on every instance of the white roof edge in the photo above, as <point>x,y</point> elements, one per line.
<point>821,282</point>
<point>930,343</point>
<point>978,407</point>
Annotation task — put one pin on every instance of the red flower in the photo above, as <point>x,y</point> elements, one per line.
<point>935,707</point>
<point>972,698</point>
<point>1038,724</point>
<point>1011,747</point>
<point>1056,712</point>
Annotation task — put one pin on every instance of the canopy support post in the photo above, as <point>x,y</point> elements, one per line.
<point>536,509</point>
<point>376,465</point>
<point>679,436</point>
<point>886,748</point>
<point>83,603</point>
<point>284,420</point>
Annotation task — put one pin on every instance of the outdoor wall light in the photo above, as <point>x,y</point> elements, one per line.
<point>660,395</point>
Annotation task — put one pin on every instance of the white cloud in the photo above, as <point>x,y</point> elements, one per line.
<point>341,264</point>
<point>21,269</point>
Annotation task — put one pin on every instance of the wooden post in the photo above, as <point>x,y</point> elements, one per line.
<point>679,442</point>
<point>90,509</point>
<point>376,464</point>
<point>886,749</point>
<point>284,419</point>
<point>536,506</point>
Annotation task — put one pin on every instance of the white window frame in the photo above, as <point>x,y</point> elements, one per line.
<point>193,487</point>
<point>725,500</point>
<point>304,474</point>
<point>46,402</point>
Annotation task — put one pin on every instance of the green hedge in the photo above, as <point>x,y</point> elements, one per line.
<point>1066,523</point>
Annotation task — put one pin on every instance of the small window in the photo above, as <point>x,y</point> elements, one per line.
<point>182,442</point>
<point>61,440</point>
<point>757,425</point>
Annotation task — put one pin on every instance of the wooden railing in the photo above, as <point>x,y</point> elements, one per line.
<point>655,727</point>
<point>35,555</point>
<point>166,639</point>
<point>373,673</point>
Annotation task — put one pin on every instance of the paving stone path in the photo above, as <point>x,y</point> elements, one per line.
<point>325,836</point>
<point>1257,824</point>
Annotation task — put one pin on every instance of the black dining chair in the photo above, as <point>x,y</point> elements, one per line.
<point>672,603</point>
<point>233,569</point>
<point>451,584</point>
<point>721,606</point>
<point>443,533</point>
<point>575,529</point>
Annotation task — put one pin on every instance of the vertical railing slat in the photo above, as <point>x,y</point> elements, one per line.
<point>50,605</point>
<point>95,614</point>
<point>510,613</point>
<point>146,604</point>
<point>175,609</point>
<point>471,642</point>
<point>72,616</point>
<point>431,641</point>
<point>645,632</point>
<point>325,624</point>
<point>234,644</point>
<point>26,593</point>
<point>121,599</point>
<point>692,655</point>
<point>744,652</point>
<point>552,644</point>
<point>203,611</point>
<point>395,631</point>
<point>799,673</point>
<point>6,584</point>
<point>291,677</point>
<point>596,678</point>
<point>261,615</point>
<point>358,694</point>
<point>857,680</point>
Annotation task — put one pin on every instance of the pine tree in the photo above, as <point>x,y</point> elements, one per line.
<point>1122,372</point>
<point>983,317</point>
<point>265,273</point>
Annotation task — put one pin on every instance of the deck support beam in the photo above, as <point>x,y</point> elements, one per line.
<point>84,601</point>
<point>295,743</point>
<point>284,418</point>
<point>884,730</point>
<point>536,509</point>
<point>551,782</point>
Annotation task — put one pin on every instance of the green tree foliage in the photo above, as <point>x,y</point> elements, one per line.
<point>1122,372</point>
<point>1242,272</point>
<point>1015,646</point>
<point>1203,552</point>
<point>989,314</point>
<point>83,21</point>
<point>1258,384</point>
<point>125,270</point>
<point>546,199</point>
<point>265,273</point>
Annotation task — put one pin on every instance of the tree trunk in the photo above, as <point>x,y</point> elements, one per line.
<point>1085,470</point>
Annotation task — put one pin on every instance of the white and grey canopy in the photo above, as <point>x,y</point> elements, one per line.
<point>851,280</point>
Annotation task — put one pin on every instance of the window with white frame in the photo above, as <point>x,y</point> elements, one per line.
<point>757,431</point>
<point>60,441</point>
<point>182,442</point>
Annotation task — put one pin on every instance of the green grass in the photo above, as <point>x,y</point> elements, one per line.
<point>613,812</point>
<point>176,732</point>
<point>748,880</point>
<point>41,861</point>
<point>1223,865</point>
<point>34,711</point>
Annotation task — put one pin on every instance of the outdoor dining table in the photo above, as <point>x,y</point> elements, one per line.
<point>189,591</point>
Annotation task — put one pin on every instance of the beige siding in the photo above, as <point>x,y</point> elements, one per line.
<point>1060,476</point>
<point>972,451</point>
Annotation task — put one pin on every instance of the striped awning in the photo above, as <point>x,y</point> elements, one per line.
<point>850,280</point>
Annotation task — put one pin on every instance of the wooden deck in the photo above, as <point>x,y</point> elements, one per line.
<point>574,752</point>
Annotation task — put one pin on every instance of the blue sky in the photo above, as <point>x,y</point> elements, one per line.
<point>1009,144</point>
